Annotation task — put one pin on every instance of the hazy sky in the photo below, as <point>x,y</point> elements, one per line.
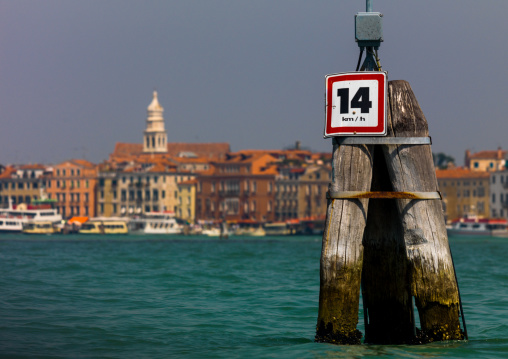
<point>76,76</point>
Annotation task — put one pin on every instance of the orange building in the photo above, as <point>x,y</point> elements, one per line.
<point>239,187</point>
<point>464,192</point>
<point>73,185</point>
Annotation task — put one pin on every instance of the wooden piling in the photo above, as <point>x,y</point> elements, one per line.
<point>401,246</point>
<point>411,168</point>
<point>342,250</point>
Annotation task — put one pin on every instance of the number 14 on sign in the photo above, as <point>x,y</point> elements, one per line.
<point>356,104</point>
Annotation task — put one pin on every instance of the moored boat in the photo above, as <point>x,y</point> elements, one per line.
<point>104,226</point>
<point>473,226</point>
<point>14,217</point>
<point>42,227</point>
<point>155,223</point>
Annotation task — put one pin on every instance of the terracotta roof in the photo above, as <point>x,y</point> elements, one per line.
<point>83,163</point>
<point>497,154</point>
<point>460,172</point>
<point>32,167</point>
<point>8,172</point>
<point>206,150</point>
<point>189,159</point>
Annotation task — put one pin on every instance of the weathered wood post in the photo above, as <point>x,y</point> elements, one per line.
<point>342,250</point>
<point>401,230</point>
<point>385,233</point>
<point>411,168</point>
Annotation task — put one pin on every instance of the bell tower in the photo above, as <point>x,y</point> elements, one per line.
<point>155,136</point>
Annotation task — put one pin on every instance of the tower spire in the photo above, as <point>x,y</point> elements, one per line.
<point>155,136</point>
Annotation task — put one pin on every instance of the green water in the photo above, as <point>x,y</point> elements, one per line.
<point>167,297</point>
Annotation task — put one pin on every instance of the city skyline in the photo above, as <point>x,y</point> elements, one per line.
<point>77,77</point>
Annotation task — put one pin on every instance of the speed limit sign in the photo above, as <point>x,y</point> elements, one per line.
<point>356,104</point>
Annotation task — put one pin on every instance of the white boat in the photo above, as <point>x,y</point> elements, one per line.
<point>211,232</point>
<point>155,223</point>
<point>472,226</point>
<point>13,218</point>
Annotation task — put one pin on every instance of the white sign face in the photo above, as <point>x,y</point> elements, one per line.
<point>356,104</point>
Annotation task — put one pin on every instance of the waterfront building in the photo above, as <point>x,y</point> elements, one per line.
<point>186,208</point>
<point>237,188</point>
<point>464,192</point>
<point>73,185</point>
<point>135,188</point>
<point>487,161</point>
<point>300,192</point>
<point>22,184</point>
<point>499,194</point>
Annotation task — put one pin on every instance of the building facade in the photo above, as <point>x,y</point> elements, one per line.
<point>22,184</point>
<point>464,192</point>
<point>139,188</point>
<point>301,192</point>
<point>73,185</point>
<point>486,161</point>
<point>186,207</point>
<point>238,188</point>
<point>499,194</point>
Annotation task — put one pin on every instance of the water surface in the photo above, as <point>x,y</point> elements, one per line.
<point>184,297</point>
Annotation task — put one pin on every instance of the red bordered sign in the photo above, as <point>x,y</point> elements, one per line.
<point>356,104</point>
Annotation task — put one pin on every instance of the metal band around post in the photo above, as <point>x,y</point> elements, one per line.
<point>382,194</point>
<point>383,140</point>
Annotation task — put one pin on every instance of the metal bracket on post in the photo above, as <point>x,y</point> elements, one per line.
<point>383,140</point>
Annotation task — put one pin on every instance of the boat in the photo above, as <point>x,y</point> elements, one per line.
<point>156,223</point>
<point>473,226</point>
<point>211,232</point>
<point>287,228</point>
<point>248,227</point>
<point>104,226</point>
<point>14,217</point>
<point>42,227</point>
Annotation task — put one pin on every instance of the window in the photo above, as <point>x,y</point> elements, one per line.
<point>493,198</point>
<point>476,164</point>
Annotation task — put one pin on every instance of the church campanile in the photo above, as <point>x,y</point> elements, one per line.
<point>155,136</point>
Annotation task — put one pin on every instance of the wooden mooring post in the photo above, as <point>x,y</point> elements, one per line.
<point>386,237</point>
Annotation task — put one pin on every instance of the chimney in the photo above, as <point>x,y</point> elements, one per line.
<point>467,159</point>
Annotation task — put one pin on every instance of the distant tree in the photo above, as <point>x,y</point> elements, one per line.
<point>442,160</point>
